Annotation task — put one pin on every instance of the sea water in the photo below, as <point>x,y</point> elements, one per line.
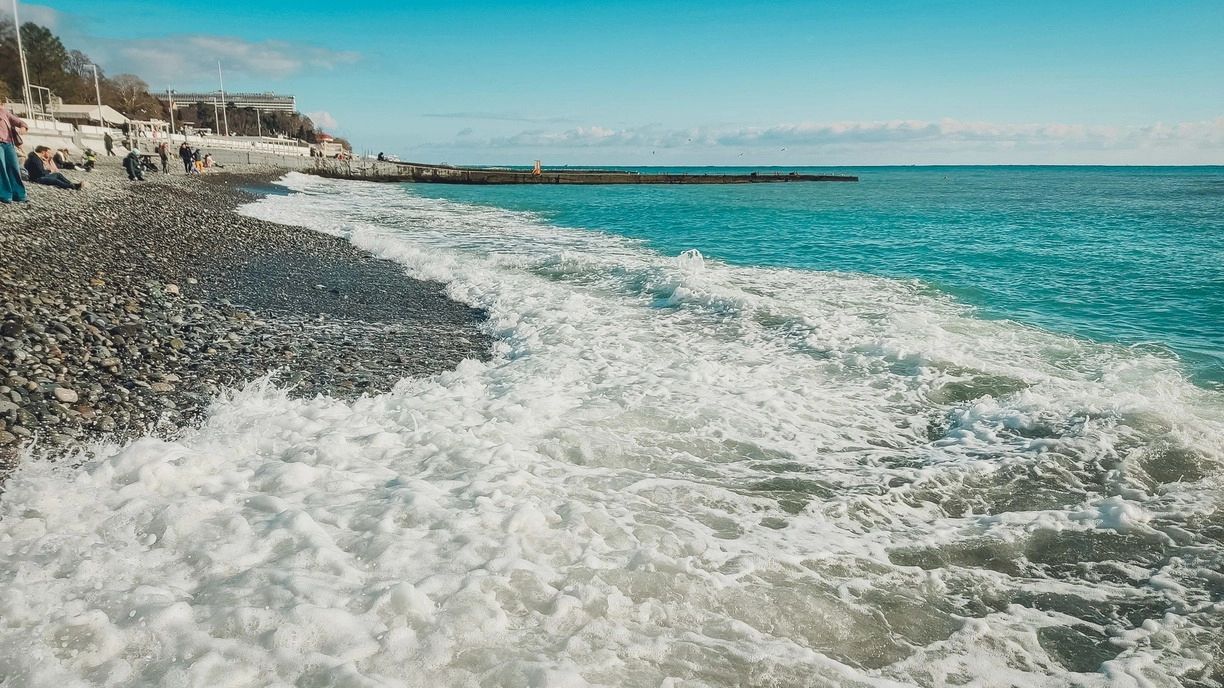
<point>942,427</point>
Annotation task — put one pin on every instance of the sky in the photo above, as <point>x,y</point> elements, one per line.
<point>628,82</point>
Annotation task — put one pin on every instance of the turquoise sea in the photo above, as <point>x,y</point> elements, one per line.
<point>1128,255</point>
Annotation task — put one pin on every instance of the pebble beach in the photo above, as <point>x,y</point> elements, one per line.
<point>127,307</point>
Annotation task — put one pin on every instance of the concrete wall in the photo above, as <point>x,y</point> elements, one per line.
<point>230,157</point>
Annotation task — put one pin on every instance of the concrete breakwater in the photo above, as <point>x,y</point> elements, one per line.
<point>380,171</point>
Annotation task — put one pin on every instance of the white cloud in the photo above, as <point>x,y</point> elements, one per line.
<point>192,59</point>
<point>323,119</point>
<point>38,14</point>
<point>499,117</point>
<point>906,140</point>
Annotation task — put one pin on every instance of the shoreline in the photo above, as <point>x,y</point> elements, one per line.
<point>127,307</point>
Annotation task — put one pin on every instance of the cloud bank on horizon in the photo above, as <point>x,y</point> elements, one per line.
<point>928,141</point>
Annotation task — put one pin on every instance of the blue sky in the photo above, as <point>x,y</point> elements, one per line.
<point>710,82</point>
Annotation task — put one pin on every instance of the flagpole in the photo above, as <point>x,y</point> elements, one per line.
<point>221,81</point>
<point>170,97</point>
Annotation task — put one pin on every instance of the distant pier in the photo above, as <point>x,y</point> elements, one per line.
<point>380,171</point>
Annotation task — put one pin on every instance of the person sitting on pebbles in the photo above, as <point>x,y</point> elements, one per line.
<point>61,160</point>
<point>39,165</point>
<point>131,163</point>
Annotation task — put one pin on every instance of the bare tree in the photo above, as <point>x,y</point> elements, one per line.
<point>130,89</point>
<point>78,65</point>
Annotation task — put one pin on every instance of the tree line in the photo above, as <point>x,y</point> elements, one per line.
<point>68,75</point>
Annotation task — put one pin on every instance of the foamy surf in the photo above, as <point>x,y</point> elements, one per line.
<point>674,472</point>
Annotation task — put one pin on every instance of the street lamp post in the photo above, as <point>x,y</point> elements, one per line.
<point>98,93</point>
<point>25,73</point>
<point>170,97</point>
<point>220,81</point>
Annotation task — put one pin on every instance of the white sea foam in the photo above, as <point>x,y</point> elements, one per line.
<point>673,472</point>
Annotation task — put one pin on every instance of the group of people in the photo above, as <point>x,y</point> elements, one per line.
<point>194,162</point>
<point>43,165</point>
<point>41,168</point>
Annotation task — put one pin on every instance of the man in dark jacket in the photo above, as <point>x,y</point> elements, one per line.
<point>36,167</point>
<point>110,144</point>
<point>185,154</point>
<point>131,163</point>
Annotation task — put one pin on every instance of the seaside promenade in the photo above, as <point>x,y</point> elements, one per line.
<point>289,154</point>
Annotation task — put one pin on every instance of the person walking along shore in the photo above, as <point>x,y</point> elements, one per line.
<point>11,187</point>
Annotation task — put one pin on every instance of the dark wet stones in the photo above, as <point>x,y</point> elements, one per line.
<point>985,553</point>
<point>12,326</point>
<point>127,308</point>
<point>976,387</point>
<point>1078,648</point>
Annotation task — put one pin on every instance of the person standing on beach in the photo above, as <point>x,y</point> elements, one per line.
<point>163,152</point>
<point>109,143</point>
<point>11,188</point>
<point>185,154</point>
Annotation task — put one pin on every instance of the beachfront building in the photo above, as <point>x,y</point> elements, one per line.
<point>328,146</point>
<point>269,102</point>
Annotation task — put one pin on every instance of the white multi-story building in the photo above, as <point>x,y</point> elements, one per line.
<point>259,101</point>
